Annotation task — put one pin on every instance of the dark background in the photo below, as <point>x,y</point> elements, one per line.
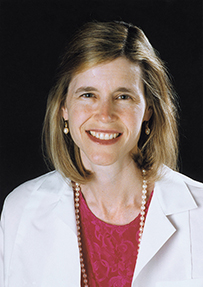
<point>32,37</point>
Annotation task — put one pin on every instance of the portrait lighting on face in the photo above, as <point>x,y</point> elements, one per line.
<point>106,113</point>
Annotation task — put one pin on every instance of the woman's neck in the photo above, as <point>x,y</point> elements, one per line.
<point>114,194</point>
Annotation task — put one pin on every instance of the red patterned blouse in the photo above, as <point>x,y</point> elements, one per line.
<point>109,251</point>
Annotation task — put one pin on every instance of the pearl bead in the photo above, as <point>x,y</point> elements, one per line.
<point>66,130</point>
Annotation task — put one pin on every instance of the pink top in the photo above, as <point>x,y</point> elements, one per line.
<point>109,251</point>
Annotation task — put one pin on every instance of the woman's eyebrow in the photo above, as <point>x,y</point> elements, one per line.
<point>86,89</point>
<point>93,89</point>
<point>124,90</point>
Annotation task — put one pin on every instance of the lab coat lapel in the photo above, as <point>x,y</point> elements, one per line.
<point>171,195</point>
<point>158,229</point>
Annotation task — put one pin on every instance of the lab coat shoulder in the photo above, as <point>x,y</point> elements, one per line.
<point>196,189</point>
<point>49,184</point>
<point>177,192</point>
<point>46,182</point>
<point>29,195</point>
<point>38,216</point>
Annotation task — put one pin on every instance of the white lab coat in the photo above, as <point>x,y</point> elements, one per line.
<point>38,242</point>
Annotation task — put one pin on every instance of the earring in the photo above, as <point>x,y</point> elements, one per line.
<point>66,129</point>
<point>147,129</point>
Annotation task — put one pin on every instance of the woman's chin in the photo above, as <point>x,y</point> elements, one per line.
<point>103,160</point>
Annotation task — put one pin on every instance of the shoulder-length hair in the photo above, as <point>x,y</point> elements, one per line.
<point>96,43</point>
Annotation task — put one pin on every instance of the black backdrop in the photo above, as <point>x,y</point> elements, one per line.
<point>33,35</point>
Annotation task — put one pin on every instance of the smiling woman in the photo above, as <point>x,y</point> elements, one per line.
<point>115,212</point>
<point>105,115</point>
<point>101,43</point>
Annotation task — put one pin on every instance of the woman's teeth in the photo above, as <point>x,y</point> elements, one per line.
<point>104,136</point>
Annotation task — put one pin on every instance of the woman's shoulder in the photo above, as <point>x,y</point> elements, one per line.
<point>49,183</point>
<point>177,192</point>
<point>176,185</point>
<point>177,177</point>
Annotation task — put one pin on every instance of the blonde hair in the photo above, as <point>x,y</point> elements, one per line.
<point>99,42</point>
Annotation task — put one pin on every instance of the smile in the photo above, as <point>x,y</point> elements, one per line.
<point>104,136</point>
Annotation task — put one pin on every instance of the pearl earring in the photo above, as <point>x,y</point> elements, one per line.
<point>147,129</point>
<point>66,129</point>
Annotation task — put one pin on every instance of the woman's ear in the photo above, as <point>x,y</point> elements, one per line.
<point>148,113</point>
<point>65,113</point>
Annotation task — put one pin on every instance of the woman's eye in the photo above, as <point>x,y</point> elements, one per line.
<point>87,95</point>
<point>124,97</point>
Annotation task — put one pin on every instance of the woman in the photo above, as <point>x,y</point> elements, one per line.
<point>115,212</point>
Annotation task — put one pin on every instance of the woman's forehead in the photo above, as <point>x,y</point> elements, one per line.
<point>120,69</point>
<point>100,62</point>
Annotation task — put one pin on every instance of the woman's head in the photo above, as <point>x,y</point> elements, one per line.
<point>98,43</point>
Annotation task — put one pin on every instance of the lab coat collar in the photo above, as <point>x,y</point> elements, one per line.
<point>171,195</point>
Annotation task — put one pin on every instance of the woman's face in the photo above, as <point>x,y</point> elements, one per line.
<point>105,107</point>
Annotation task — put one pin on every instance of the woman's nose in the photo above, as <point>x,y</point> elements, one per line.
<point>106,112</point>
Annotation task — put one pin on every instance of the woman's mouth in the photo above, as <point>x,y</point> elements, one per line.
<point>104,137</point>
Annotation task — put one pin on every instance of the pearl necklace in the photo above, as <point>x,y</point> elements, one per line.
<point>77,189</point>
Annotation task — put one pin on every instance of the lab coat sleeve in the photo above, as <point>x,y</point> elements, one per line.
<point>1,255</point>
